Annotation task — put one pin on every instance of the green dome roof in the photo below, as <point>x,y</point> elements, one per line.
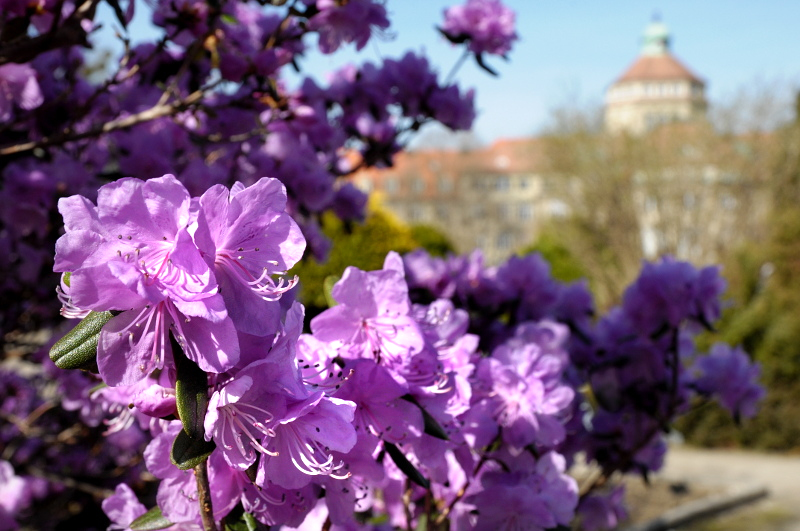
<point>655,40</point>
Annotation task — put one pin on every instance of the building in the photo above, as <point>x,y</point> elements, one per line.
<point>493,198</point>
<point>693,204</point>
<point>656,89</point>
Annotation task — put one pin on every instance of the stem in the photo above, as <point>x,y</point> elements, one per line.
<point>204,497</point>
<point>456,67</point>
<point>407,505</point>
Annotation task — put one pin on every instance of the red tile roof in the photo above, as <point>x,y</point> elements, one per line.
<point>658,67</point>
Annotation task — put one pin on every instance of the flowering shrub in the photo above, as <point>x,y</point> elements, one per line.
<point>436,408</point>
<point>435,393</point>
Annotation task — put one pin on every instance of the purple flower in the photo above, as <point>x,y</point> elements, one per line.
<point>668,292</point>
<point>136,251</point>
<point>349,202</point>
<point>411,79</point>
<point>15,495</point>
<point>190,15</point>
<point>123,507</point>
<point>453,109</point>
<point>431,273</point>
<point>241,415</point>
<point>304,439</point>
<point>520,386</point>
<point>18,86</point>
<point>274,505</point>
<point>137,245</point>
<point>177,492</point>
<point>728,373</point>
<point>488,25</point>
<point>135,343</point>
<point>254,239</point>
<point>379,409</point>
<point>372,318</point>
<point>352,21</point>
<point>606,511</point>
<point>527,279</point>
<point>536,500</point>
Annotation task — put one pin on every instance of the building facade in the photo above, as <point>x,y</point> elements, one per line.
<point>499,198</point>
<point>495,198</point>
<point>656,89</point>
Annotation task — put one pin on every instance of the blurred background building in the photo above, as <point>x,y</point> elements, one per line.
<point>655,176</point>
<point>656,89</point>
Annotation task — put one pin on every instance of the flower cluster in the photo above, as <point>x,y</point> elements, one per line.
<point>638,360</point>
<point>435,391</point>
<point>381,390</point>
<point>207,102</point>
<point>487,25</point>
<point>430,410</point>
<point>162,258</point>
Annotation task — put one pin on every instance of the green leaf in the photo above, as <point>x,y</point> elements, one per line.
<point>229,19</point>
<point>405,465</point>
<point>65,277</point>
<point>188,452</point>
<point>238,520</point>
<point>78,349</point>
<point>327,287</point>
<point>432,426</point>
<point>191,392</point>
<point>150,521</point>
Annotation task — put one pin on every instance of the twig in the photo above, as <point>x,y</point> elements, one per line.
<point>484,458</point>
<point>69,34</point>
<point>97,492</point>
<point>204,497</point>
<point>157,111</point>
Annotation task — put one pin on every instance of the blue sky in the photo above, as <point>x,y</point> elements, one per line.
<point>571,50</point>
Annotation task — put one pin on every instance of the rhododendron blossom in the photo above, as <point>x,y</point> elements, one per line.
<point>433,392</point>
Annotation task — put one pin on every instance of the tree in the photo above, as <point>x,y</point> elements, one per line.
<point>681,189</point>
<point>765,282</point>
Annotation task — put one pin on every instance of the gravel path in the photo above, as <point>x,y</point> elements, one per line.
<point>736,469</point>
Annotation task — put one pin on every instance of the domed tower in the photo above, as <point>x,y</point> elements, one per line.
<point>655,89</point>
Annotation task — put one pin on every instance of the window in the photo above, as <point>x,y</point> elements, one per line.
<point>502,183</point>
<point>391,185</point>
<point>505,241</point>
<point>442,212</point>
<point>417,185</point>
<point>444,185</point>
<point>415,213</point>
<point>526,211</point>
